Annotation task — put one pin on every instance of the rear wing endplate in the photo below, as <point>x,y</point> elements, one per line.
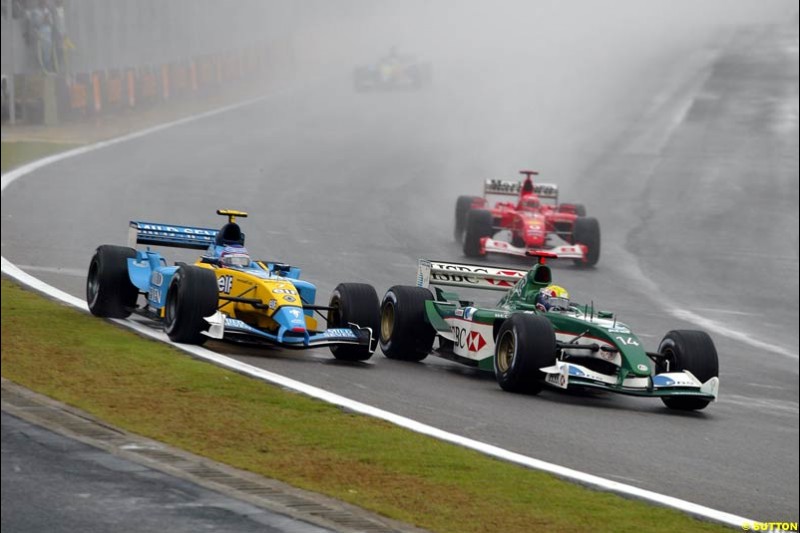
<point>154,233</point>
<point>473,276</point>
<point>547,191</point>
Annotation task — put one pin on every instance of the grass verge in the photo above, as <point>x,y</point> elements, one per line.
<point>152,389</point>
<point>16,153</point>
<point>156,391</point>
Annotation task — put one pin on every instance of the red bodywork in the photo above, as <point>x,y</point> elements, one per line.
<point>529,219</point>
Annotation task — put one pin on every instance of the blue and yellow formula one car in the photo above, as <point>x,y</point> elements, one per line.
<point>393,72</point>
<point>226,294</point>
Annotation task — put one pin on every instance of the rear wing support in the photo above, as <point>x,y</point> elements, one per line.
<point>158,234</point>
<point>462,275</point>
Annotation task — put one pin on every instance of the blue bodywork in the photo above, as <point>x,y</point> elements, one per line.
<point>294,340</point>
<point>152,275</point>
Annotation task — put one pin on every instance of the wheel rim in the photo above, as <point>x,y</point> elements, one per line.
<point>170,309</point>
<point>387,321</point>
<point>93,284</point>
<point>670,361</point>
<point>334,316</point>
<point>505,351</point>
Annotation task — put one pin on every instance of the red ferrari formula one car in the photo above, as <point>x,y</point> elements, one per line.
<point>536,222</point>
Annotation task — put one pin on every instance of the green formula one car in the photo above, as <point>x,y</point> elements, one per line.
<point>535,337</point>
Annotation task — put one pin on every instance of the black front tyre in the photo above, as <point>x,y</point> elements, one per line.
<point>192,296</point>
<point>693,351</point>
<point>405,333</point>
<point>415,74</point>
<point>586,231</point>
<point>109,291</point>
<point>463,206</point>
<point>353,303</point>
<point>525,344</point>
<point>480,224</point>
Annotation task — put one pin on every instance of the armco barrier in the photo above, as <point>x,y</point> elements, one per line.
<point>148,86</point>
<point>117,89</point>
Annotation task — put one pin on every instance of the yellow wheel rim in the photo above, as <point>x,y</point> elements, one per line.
<point>387,321</point>
<point>505,351</point>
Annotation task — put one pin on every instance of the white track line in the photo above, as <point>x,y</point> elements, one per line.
<point>583,478</point>
<point>74,272</point>
<point>631,269</point>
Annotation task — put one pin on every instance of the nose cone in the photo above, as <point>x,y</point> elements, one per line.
<point>534,231</point>
<point>535,240</point>
<point>291,319</point>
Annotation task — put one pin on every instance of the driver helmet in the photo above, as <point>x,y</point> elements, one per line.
<point>529,203</point>
<point>234,256</point>
<point>552,298</point>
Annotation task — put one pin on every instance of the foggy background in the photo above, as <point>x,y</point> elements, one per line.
<point>518,84</point>
<point>674,122</point>
<point>541,84</point>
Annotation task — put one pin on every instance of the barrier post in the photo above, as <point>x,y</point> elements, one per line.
<point>193,75</point>
<point>50,117</point>
<point>131,89</point>
<point>165,81</point>
<point>96,96</point>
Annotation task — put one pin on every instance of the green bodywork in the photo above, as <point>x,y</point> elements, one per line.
<point>581,322</point>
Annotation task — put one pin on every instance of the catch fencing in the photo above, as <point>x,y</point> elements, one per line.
<point>65,59</point>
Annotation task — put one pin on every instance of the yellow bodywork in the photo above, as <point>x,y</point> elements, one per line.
<point>274,292</point>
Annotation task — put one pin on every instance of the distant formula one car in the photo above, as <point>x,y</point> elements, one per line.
<point>530,339</point>
<point>225,294</point>
<point>392,72</point>
<point>528,225</point>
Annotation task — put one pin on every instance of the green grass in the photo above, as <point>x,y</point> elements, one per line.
<point>154,390</point>
<point>17,153</point>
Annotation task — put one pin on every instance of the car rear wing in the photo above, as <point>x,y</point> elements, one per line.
<point>473,276</point>
<point>158,234</point>
<point>547,191</point>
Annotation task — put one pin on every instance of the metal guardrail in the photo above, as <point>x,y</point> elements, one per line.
<point>75,40</point>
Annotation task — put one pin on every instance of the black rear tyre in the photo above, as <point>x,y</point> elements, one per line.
<point>463,206</point>
<point>192,296</point>
<point>109,291</point>
<point>479,225</point>
<point>587,232</point>
<point>580,209</point>
<point>405,333</point>
<point>525,344</point>
<point>354,303</point>
<point>577,209</point>
<point>693,351</point>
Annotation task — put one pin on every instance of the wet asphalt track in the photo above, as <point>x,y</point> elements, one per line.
<point>95,491</point>
<point>698,203</point>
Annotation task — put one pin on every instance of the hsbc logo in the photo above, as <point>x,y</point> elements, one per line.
<point>502,282</point>
<point>475,341</point>
<point>467,342</point>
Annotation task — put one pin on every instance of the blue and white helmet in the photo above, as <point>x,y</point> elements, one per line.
<point>234,256</point>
